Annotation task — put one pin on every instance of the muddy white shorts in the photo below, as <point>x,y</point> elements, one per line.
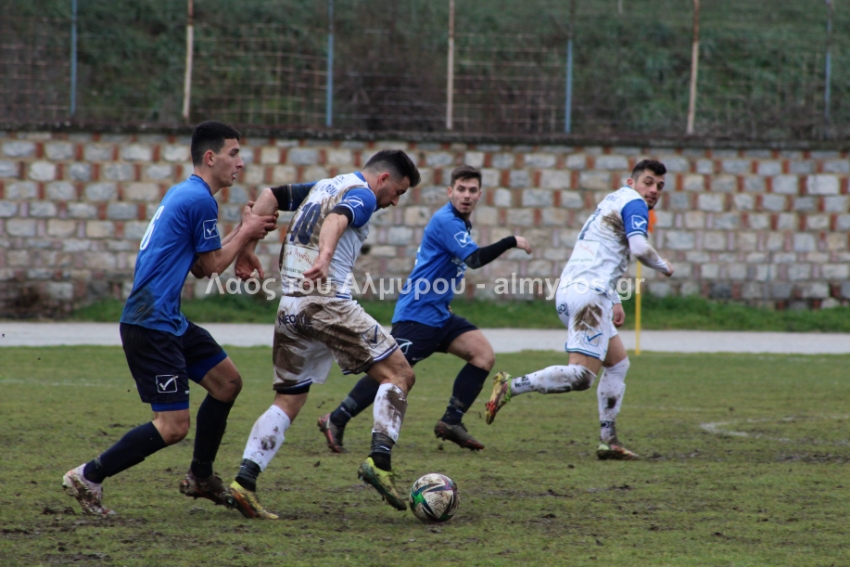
<point>311,332</point>
<point>589,318</point>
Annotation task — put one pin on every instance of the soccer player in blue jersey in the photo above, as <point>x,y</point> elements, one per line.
<point>164,350</point>
<point>318,321</point>
<point>589,306</point>
<point>423,322</point>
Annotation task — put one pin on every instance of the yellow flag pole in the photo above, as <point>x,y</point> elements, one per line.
<point>637,310</point>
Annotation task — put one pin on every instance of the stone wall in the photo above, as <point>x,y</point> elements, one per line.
<point>757,225</point>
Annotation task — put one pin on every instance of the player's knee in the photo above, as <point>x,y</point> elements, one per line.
<point>231,388</point>
<point>484,360</point>
<point>584,379</point>
<point>174,432</point>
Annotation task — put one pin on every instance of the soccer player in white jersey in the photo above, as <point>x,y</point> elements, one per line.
<point>590,307</point>
<point>318,321</point>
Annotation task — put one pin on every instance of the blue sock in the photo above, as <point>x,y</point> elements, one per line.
<point>467,386</point>
<point>211,423</point>
<point>359,398</point>
<point>136,445</point>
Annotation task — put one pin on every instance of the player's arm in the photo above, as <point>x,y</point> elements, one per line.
<point>355,209</point>
<point>636,220</point>
<point>271,200</point>
<point>483,256</point>
<point>252,226</point>
<point>647,255</point>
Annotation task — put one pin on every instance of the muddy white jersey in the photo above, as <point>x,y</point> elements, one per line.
<point>301,243</point>
<point>601,254</point>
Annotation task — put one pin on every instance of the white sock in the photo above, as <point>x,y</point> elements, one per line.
<point>554,380</point>
<point>266,436</point>
<point>612,388</point>
<point>388,411</point>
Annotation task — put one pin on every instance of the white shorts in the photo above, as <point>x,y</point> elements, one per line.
<point>589,319</point>
<point>311,332</point>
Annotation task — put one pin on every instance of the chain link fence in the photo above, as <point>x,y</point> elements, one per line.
<point>762,70</point>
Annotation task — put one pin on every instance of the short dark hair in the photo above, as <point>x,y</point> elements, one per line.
<point>652,165</point>
<point>465,172</point>
<point>397,163</point>
<point>210,135</point>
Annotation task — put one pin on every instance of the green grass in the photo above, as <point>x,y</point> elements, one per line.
<point>685,313</point>
<point>745,465</point>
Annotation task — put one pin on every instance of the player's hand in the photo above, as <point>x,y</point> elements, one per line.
<point>669,271</point>
<point>619,315</point>
<point>246,264</point>
<point>318,272</point>
<point>256,225</point>
<point>521,242</point>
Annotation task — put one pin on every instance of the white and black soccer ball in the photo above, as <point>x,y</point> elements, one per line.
<point>434,498</point>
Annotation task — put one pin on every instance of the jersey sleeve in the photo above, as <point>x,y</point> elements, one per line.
<point>635,217</point>
<point>361,202</point>
<point>203,220</point>
<point>454,237</point>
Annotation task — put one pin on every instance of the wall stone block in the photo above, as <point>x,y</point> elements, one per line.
<point>22,191</point>
<point>694,183</point>
<point>137,152</point>
<point>679,240</point>
<point>840,166</point>
<point>736,166</point>
<point>769,168</point>
<point>520,217</point>
<point>555,179</point>
<point>175,153</point>
<point>537,198</point>
<point>282,174</point>
<point>786,184</point>
<point>8,209</point>
<point>612,162</point>
<point>302,156</point>
<point>122,211</point>
<point>21,227</point>
<point>19,149</point>
<point>519,178</point>
<point>711,202</point>
<point>594,180</point>
<point>773,203</point>
<point>42,209</point>
<point>540,161</point>
<point>822,185</point>
<point>503,160</point>
<point>100,229</point>
<point>101,191</point>
<point>42,171</point>
<point>801,167</point>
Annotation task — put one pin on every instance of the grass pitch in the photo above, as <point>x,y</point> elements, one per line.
<point>746,464</point>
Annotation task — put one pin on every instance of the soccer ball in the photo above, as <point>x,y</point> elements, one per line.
<point>433,498</point>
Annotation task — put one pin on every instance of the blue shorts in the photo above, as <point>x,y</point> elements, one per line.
<point>417,341</point>
<point>162,364</point>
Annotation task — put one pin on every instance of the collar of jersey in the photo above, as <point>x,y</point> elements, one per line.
<point>458,215</point>
<point>195,177</point>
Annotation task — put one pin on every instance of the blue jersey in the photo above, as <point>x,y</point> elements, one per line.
<point>439,268</point>
<point>184,225</point>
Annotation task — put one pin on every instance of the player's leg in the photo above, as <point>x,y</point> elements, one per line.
<point>157,365</point>
<point>360,397</point>
<point>298,362</point>
<point>208,365</point>
<point>266,438</point>
<point>396,378</point>
<point>416,342</point>
<point>473,347</point>
<point>610,392</point>
<point>585,315</point>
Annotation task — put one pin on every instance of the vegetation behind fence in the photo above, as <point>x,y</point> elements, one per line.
<point>762,65</point>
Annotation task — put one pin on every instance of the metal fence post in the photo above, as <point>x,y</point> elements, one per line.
<point>73,105</point>
<point>450,87</point>
<point>828,65</point>
<point>568,103</point>
<point>190,42</point>
<point>692,96</point>
<point>330,78</point>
